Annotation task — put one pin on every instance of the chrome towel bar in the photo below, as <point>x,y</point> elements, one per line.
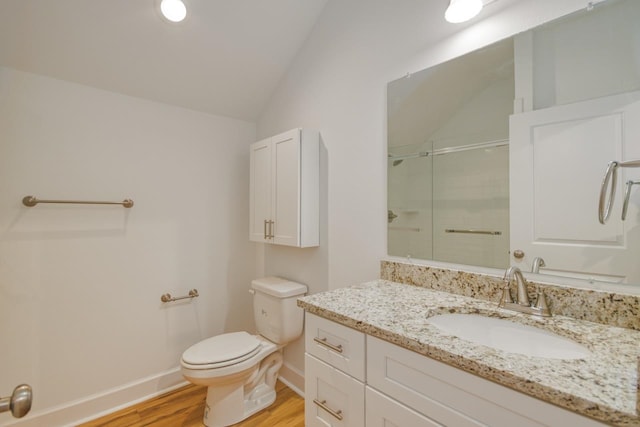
<point>193,293</point>
<point>31,201</point>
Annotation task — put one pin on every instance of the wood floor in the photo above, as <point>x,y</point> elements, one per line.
<point>185,408</point>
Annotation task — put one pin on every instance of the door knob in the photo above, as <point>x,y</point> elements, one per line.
<point>518,253</point>
<point>19,403</point>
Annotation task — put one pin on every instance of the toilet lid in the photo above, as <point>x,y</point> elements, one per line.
<point>222,348</point>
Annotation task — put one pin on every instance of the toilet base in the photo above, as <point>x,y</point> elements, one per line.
<point>232,403</point>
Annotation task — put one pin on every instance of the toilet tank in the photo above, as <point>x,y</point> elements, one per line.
<point>277,316</point>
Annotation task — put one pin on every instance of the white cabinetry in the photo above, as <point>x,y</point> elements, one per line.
<point>383,411</point>
<point>334,374</point>
<point>558,157</point>
<point>404,388</point>
<point>285,188</point>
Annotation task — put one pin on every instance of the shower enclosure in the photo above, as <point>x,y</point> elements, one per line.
<point>450,204</point>
<point>448,159</point>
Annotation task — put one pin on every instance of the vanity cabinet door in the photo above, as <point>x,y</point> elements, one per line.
<point>453,397</point>
<point>335,344</point>
<point>332,398</point>
<point>385,412</point>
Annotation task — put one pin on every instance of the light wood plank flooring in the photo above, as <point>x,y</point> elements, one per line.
<point>185,408</point>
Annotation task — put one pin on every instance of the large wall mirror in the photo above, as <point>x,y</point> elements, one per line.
<point>497,157</point>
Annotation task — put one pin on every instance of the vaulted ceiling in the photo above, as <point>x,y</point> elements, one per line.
<point>226,58</point>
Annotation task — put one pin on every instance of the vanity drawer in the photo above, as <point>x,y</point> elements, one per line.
<point>335,344</point>
<point>384,412</point>
<point>332,398</point>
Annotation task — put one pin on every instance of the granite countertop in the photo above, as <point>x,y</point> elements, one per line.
<point>603,386</point>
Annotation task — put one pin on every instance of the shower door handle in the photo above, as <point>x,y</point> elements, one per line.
<point>19,403</point>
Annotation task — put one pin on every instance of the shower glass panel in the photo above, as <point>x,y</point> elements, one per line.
<point>450,204</point>
<point>471,206</point>
<point>410,203</point>
<point>448,169</point>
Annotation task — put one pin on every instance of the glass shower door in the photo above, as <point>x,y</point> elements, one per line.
<point>471,205</point>
<point>410,204</point>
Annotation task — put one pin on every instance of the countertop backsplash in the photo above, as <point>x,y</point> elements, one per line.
<point>607,308</point>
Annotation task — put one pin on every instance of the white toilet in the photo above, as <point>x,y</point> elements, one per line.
<point>241,369</point>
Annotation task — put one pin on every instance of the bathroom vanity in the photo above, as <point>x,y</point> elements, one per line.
<point>373,359</point>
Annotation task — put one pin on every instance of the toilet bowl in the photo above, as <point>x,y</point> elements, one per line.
<point>240,369</point>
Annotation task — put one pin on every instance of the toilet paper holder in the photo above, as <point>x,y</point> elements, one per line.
<point>193,293</point>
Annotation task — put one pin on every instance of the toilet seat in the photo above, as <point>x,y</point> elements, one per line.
<point>221,350</point>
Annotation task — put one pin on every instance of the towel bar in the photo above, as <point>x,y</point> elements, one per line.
<point>31,201</point>
<point>492,233</point>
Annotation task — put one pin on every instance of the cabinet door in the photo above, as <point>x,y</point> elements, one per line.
<point>558,157</point>
<point>285,210</point>
<point>332,398</point>
<point>385,412</point>
<point>453,397</point>
<point>260,190</point>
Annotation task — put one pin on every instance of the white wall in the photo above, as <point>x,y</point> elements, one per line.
<point>80,286</point>
<point>590,56</point>
<point>337,85</point>
<point>79,310</point>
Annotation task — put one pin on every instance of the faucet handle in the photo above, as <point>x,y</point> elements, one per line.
<point>506,294</point>
<point>541,304</point>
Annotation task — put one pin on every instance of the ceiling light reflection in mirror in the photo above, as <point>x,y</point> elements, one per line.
<point>572,64</point>
<point>173,10</point>
<point>462,10</point>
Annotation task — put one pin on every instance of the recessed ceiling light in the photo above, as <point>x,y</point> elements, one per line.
<point>462,10</point>
<point>173,10</point>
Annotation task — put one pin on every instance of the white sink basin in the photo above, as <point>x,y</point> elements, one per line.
<point>508,336</point>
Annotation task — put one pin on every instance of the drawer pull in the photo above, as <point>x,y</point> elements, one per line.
<point>323,405</point>
<point>323,341</point>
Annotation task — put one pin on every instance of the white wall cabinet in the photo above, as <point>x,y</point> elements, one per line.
<point>285,189</point>
<point>403,388</point>
<point>558,157</point>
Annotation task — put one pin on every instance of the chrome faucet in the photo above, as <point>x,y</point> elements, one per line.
<point>537,263</point>
<point>522,303</point>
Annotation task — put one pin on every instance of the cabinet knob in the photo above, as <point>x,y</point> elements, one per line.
<point>518,253</point>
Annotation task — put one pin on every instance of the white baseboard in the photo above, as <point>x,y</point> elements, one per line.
<point>100,404</point>
<point>292,378</point>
